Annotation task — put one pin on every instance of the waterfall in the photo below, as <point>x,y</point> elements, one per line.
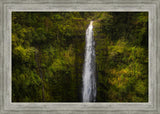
<point>89,79</point>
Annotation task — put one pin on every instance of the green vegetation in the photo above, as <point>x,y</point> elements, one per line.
<point>48,56</point>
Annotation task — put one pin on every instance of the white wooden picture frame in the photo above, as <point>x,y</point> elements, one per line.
<point>150,6</point>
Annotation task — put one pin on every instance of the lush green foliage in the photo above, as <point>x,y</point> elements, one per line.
<point>48,56</point>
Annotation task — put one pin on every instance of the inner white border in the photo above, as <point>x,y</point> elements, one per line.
<point>9,8</point>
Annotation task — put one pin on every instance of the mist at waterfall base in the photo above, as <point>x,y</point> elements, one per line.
<point>89,80</point>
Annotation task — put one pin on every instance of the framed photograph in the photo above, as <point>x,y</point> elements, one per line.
<point>79,57</point>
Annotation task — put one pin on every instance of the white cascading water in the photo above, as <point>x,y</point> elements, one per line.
<point>89,77</point>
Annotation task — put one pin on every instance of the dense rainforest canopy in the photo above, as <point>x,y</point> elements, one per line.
<point>48,56</point>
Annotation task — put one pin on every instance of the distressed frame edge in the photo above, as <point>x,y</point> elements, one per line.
<point>2,45</point>
<point>10,60</point>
